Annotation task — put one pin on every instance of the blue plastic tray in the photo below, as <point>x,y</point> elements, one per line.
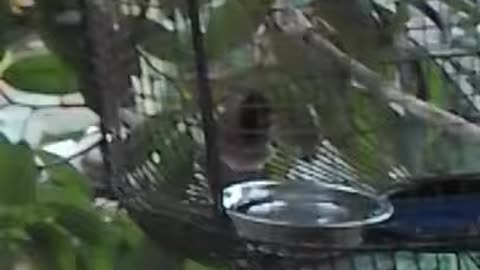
<point>448,216</point>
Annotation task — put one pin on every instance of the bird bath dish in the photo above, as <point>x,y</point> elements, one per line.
<point>302,212</point>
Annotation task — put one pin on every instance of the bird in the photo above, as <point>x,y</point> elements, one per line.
<point>172,159</point>
<point>244,130</point>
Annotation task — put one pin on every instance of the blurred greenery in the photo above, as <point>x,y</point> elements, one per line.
<point>48,220</point>
<point>220,38</point>
<point>43,74</point>
<point>48,216</point>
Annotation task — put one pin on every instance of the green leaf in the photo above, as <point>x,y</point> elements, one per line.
<point>65,184</point>
<point>128,232</point>
<point>17,217</point>
<point>85,224</point>
<point>18,174</point>
<point>122,243</point>
<point>53,247</point>
<point>18,235</point>
<point>98,257</point>
<point>44,74</point>
<point>233,24</point>
<point>51,194</point>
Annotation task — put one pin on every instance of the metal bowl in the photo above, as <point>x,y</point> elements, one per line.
<point>305,212</point>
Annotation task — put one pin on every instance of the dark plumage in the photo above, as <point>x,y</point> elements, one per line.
<point>244,131</point>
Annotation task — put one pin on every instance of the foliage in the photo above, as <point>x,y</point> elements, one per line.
<point>47,217</point>
<point>43,74</point>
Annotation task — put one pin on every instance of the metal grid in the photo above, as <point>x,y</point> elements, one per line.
<point>165,146</point>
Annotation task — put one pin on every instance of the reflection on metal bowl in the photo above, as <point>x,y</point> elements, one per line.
<point>304,212</point>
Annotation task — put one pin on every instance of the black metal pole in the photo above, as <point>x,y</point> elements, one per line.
<point>100,80</point>
<point>206,105</point>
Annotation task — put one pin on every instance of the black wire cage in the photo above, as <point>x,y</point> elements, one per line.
<point>198,95</point>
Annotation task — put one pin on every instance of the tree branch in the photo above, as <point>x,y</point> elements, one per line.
<point>451,123</point>
<point>433,115</point>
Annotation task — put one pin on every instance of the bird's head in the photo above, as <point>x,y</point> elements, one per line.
<point>254,112</point>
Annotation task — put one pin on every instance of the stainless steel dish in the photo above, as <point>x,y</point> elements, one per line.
<point>306,212</point>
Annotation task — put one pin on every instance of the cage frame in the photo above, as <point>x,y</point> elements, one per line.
<point>217,225</point>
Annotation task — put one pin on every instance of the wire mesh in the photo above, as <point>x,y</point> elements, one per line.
<point>297,95</point>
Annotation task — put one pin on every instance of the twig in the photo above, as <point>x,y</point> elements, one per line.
<point>63,161</point>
